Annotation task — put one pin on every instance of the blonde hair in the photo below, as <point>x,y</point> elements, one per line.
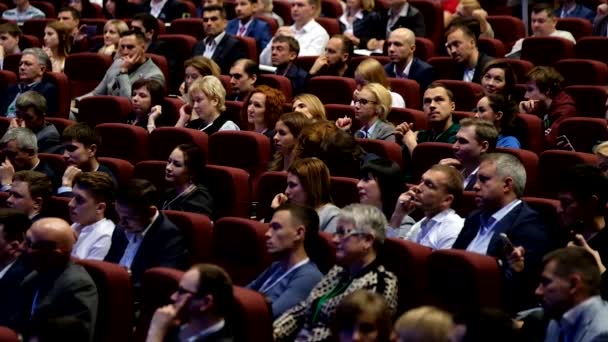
<point>601,150</point>
<point>212,87</point>
<point>383,97</point>
<point>314,105</point>
<point>317,4</point>
<point>120,25</point>
<point>425,324</point>
<point>472,4</point>
<point>367,5</point>
<point>373,72</point>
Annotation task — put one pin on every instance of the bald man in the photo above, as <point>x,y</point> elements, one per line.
<point>401,46</point>
<point>59,298</point>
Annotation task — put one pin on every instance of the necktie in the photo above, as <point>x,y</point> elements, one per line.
<point>242,30</point>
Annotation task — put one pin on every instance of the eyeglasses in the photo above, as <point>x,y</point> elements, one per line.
<point>363,102</point>
<point>343,234</point>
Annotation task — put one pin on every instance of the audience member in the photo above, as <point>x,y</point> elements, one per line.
<point>166,10</point>
<point>485,324</point>
<point>287,129</point>
<point>309,105</point>
<point>440,187</point>
<point>247,25</point>
<point>31,111</point>
<point>146,104</point>
<point>32,66</point>
<point>601,152</point>
<point>57,44</point>
<point>85,7</point>
<point>291,235</point>
<point>571,9</point>
<point>243,76</point>
<point>201,304</point>
<point>30,193</point>
<point>359,239</point>
<point>118,9</point>
<point>472,8</point>
<point>10,33</point>
<point>372,105</point>
<point>262,109</point>
<point>401,47</point>
<point>148,25</point>
<point>360,22</point>
<point>265,9</point>
<point>22,12</point>
<point>185,174</point>
<point>76,34</point>
<point>399,14</point>
<point>336,59</point>
<point>195,68</point>
<point>362,316</point>
<point>499,77</point>
<point>371,71</point>
<point>144,237</point>
<point>218,45</point>
<point>499,110</point>
<point>310,35</point>
<point>600,23</point>
<point>111,37</point>
<point>285,50</point>
<point>93,197</point>
<point>424,324</point>
<point>546,98</point>
<point>462,36</point>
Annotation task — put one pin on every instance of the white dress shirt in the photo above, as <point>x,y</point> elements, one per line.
<point>438,232</point>
<point>487,229</point>
<point>94,240</point>
<point>135,240</point>
<point>557,33</point>
<point>156,7</point>
<point>312,38</point>
<point>348,27</point>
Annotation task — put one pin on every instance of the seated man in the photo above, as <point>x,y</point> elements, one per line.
<point>247,25</point>
<point>570,9</point>
<point>206,297</point>
<point>59,290</point>
<point>31,110</point>
<point>29,193</point>
<point>144,237</point>
<point>400,14</point>
<point>546,99</point>
<point>23,11</point>
<point>9,41</point>
<point>461,43</point>
<point>439,188</point>
<point>33,65</point>
<point>243,76</point>
<point>285,50</point>
<point>70,17</point>
<point>293,230</point>
<point>166,10</point>
<point>130,67</point>
<point>149,26</point>
<point>401,47</point>
<point>335,61</point>
<point>93,195</point>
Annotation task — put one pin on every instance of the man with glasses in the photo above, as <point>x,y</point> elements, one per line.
<point>218,45</point>
<point>243,75</point>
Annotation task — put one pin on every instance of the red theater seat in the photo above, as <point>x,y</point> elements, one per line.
<point>595,48</point>
<point>132,145</point>
<point>433,19</point>
<point>35,27</point>
<point>7,335</point>
<point>230,189</point>
<point>60,123</point>
<point>198,232</point>
<point>549,209</point>
<point>96,110</point>
<point>534,49</point>
<point>270,184</point>
<point>121,169</point>
<point>153,171</point>
<point>194,27</point>
<point>553,164</point>
<point>445,67</point>
<point>331,25</point>
<point>531,132</point>
<point>279,82</point>
<point>409,89</point>
<point>520,67</point>
<point>579,27</point>
<point>7,79</point>
<point>492,47</point>
<point>63,93</point>
<point>344,191</point>
<point>59,207</point>
<point>400,115</point>
<point>252,315</point>
<point>306,62</point>
<point>332,89</point>
<point>582,72</point>
<point>251,48</point>
<point>331,9</point>
<point>283,9</point>
<point>85,71</point>
<point>428,154</point>
<point>385,149</point>
<point>425,48</point>
<point>163,140</point>
<point>584,133</point>
<point>233,112</point>
<point>507,29</point>
<point>28,41</point>
<point>590,100</point>
<point>466,94</point>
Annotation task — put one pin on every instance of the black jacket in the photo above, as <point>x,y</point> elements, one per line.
<point>420,71</point>
<point>228,51</point>
<point>482,61</point>
<point>198,201</point>
<point>46,89</point>
<point>414,20</point>
<point>368,27</point>
<point>172,10</point>
<point>297,76</point>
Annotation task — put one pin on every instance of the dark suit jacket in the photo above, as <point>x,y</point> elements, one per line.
<point>258,30</point>
<point>580,11</point>
<point>414,20</point>
<point>228,51</point>
<point>420,71</point>
<point>368,27</point>
<point>53,175</point>
<point>9,284</point>
<point>172,10</point>
<point>525,228</point>
<point>48,139</point>
<point>298,77</point>
<point>162,246</point>
<point>47,89</point>
<point>482,61</point>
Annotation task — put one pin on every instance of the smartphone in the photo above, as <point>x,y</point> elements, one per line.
<point>507,244</point>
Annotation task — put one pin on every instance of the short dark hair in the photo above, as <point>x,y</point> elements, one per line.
<point>140,36</point>
<point>99,184</point>
<point>307,217</point>
<point>585,181</point>
<point>441,85</point>
<point>39,184</point>
<point>194,160</point>
<point>572,260</point>
<point>213,280</point>
<point>150,23</point>
<point>32,99</point>
<point>15,223</point>
<point>347,45</point>
<point>75,13</point>
<point>82,133</point>
<point>138,194</point>
<point>544,7</point>
<point>484,131</point>
<point>388,176</point>
<point>455,181</point>
<point>11,28</point>
<point>469,26</point>
<point>503,103</point>
<point>547,80</point>
<point>292,43</point>
<point>249,66</point>
<point>214,8</point>
<point>154,87</point>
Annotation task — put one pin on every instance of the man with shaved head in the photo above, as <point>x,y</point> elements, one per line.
<point>58,298</point>
<point>401,46</point>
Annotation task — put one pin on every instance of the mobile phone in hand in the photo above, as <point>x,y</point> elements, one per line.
<point>507,244</point>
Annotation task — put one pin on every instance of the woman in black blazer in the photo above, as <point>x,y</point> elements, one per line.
<point>360,22</point>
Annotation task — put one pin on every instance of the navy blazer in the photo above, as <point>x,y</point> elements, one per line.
<point>420,71</point>
<point>579,11</point>
<point>45,88</point>
<point>298,77</point>
<point>366,28</point>
<point>414,20</point>
<point>482,61</point>
<point>170,11</point>
<point>9,283</point>
<point>228,51</point>
<point>258,30</point>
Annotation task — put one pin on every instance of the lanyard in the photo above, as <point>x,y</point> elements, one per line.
<point>334,292</point>
<point>266,286</point>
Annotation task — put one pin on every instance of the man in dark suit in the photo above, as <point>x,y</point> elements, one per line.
<point>461,36</point>
<point>401,47</point>
<point>30,192</point>
<point>247,25</point>
<point>144,237</point>
<point>31,110</point>
<point>284,51</point>
<point>59,298</point>
<point>501,180</point>
<point>206,295</point>
<point>31,69</point>
<point>400,14</point>
<point>170,10</point>
<point>148,25</point>
<point>570,9</point>
<point>220,46</point>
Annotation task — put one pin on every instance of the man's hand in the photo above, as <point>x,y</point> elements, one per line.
<point>284,31</point>
<point>579,241</point>
<point>320,62</point>
<point>7,171</point>
<point>164,318</point>
<point>528,106</point>
<point>375,44</point>
<point>602,9</point>
<point>128,62</point>
<point>278,200</point>
<point>409,137</point>
<point>344,123</point>
<point>68,176</point>
<point>453,162</point>
<point>516,259</point>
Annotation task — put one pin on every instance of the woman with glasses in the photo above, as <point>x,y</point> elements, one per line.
<point>359,235</point>
<point>263,106</point>
<point>372,104</point>
<point>371,71</point>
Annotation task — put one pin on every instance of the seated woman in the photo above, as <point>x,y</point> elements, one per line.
<point>365,314</point>
<point>84,7</point>
<point>111,35</point>
<point>498,77</point>
<point>359,238</point>
<point>57,44</point>
<point>308,184</point>
<point>372,104</point>
<point>208,102</point>
<point>263,107</point>
<point>310,105</point>
<point>292,237</point>
<point>472,8</point>
<point>195,68</point>
<point>184,170</point>
<point>371,71</point>
<point>502,112</point>
<point>424,324</point>
<point>287,130</point>
<point>360,22</point>
<point>147,97</point>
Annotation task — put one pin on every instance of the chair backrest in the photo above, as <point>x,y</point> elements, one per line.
<point>59,207</point>
<point>331,9</point>
<point>163,140</point>
<point>428,154</point>
<point>162,63</point>
<point>132,145</point>
<point>96,110</point>
<point>332,89</point>
<point>153,171</point>
<point>595,48</point>
<point>507,29</point>
<point>385,149</point>
<point>121,169</point>
<point>270,184</point>
<point>252,316</point>
<point>553,164</point>
<point>8,335</point>
<point>550,209</point>
<point>230,189</point>
<point>188,26</point>
<point>466,94</point>
<point>584,133</point>
<point>283,9</point>
<point>85,71</point>
<point>7,79</point>
<point>250,46</point>
<point>444,67</point>
<point>11,63</point>
<point>60,123</point>
<point>400,115</point>
<point>344,190</point>
<point>582,72</point>
<point>425,48</point>
<point>63,93</point>
<point>433,19</point>
<point>534,49</point>
<point>531,132</point>
<point>409,89</point>
<point>590,100</point>
<point>331,25</point>
<point>491,47</point>
<point>279,82</point>
<point>579,27</point>
<point>197,230</point>
<point>35,27</point>
<point>28,41</point>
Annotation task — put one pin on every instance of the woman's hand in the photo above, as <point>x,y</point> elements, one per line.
<point>185,113</point>
<point>155,112</point>
<point>278,200</point>
<point>344,123</point>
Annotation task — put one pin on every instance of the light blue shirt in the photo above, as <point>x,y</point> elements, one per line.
<point>366,133</point>
<point>482,240</point>
<point>135,240</point>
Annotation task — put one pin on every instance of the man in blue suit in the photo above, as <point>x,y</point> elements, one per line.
<point>401,47</point>
<point>245,24</point>
<point>570,9</point>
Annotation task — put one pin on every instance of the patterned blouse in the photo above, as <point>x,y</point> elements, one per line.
<point>310,320</point>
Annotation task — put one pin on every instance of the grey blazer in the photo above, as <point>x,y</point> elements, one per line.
<point>382,131</point>
<point>590,325</point>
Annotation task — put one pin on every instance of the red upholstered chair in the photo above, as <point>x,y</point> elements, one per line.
<point>233,112</point>
<point>549,209</point>
<point>164,139</point>
<point>534,49</point>
<point>331,9</point>
<point>132,145</point>
<point>283,9</point>
<point>582,72</point>
<point>115,312</point>
<point>579,27</point>
<point>425,48</point>
<point>272,22</point>
<point>458,115</point>
<point>492,47</point>
<point>355,61</point>
<point>466,94</point>
<point>122,169</point>
<point>325,252</point>
<point>7,79</point>
<point>230,189</point>
<point>188,26</point>
<point>337,111</point>
<point>553,164</point>
<point>408,261</point>
<point>63,93</point>
<point>428,154</point>
<point>85,71</point>
<point>466,204</point>
<point>11,63</point>
<point>399,115</point>
<point>507,29</point>
<point>460,281</point>
<point>590,100</point>
<point>279,82</point>
<point>433,19</point>
<point>56,161</point>
<point>35,27</point>
<point>60,123</point>
<point>171,106</point>
<point>306,62</point>
<point>595,48</point>
<point>332,89</point>
<point>239,246</point>
<point>252,315</point>
<point>251,47</point>
<point>409,89</point>
<point>584,133</point>
<point>47,7</point>
<point>99,23</point>
<point>198,232</point>
<point>59,207</point>
<point>4,124</point>
<point>531,132</point>
<point>331,25</point>
<point>153,171</point>
<point>7,335</point>
<point>520,67</point>
<point>190,8</point>
<point>96,110</point>
<point>163,65</point>
<point>530,161</point>
<point>344,190</point>
<point>28,41</point>
<point>269,184</point>
<point>3,7</point>
<point>385,149</point>
<point>181,45</point>
<point>445,67</point>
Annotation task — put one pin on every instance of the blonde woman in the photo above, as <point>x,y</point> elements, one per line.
<point>371,71</point>
<point>309,105</point>
<point>111,35</point>
<point>424,324</point>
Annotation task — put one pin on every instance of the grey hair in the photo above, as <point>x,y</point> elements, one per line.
<point>25,138</point>
<point>366,219</point>
<point>32,99</point>
<point>40,55</point>
<point>508,165</point>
